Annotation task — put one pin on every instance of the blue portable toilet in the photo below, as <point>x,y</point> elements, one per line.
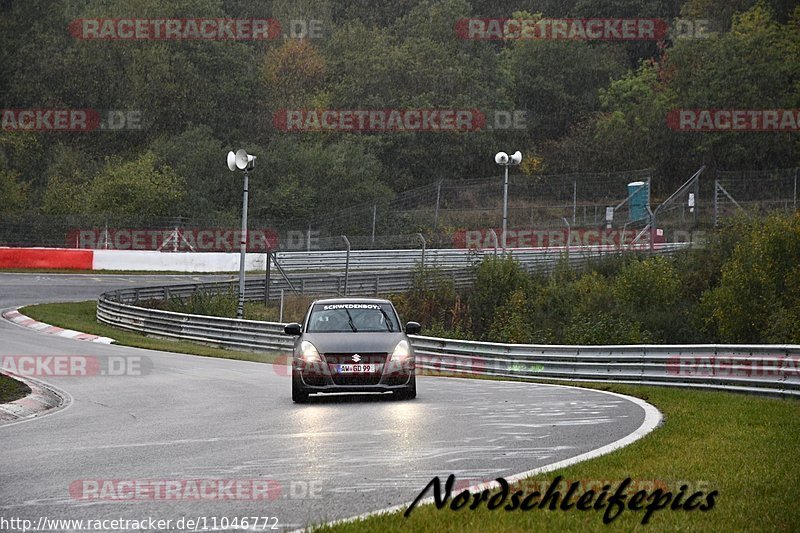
<point>638,201</point>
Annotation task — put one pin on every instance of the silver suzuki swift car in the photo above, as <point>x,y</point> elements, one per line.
<point>352,345</point>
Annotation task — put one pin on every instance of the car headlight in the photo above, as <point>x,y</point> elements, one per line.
<point>401,351</point>
<point>309,352</point>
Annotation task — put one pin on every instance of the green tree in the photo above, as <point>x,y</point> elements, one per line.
<point>648,292</point>
<point>138,187</point>
<point>496,280</point>
<point>199,158</point>
<point>756,300</point>
<point>13,193</point>
<point>308,177</point>
<point>68,177</point>
<point>512,320</point>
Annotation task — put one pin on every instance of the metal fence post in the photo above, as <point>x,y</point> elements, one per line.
<point>424,243</point>
<point>266,279</point>
<point>436,212</point>
<point>346,263</point>
<point>494,239</point>
<point>374,218</point>
<point>574,201</point>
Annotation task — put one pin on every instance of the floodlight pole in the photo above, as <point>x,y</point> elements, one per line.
<point>503,159</point>
<point>243,250</point>
<point>505,208</point>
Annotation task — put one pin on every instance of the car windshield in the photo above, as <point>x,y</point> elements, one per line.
<point>352,317</point>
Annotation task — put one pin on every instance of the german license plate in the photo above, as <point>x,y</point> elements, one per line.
<point>356,369</point>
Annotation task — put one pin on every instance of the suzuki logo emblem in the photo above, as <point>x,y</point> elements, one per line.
<point>356,358</point>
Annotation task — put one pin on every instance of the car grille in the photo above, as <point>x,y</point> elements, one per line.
<point>373,378</point>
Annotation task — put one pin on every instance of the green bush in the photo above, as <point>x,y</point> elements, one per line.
<point>756,300</point>
<point>199,303</point>
<point>605,328</point>
<point>434,302</point>
<point>512,321</point>
<point>496,280</point>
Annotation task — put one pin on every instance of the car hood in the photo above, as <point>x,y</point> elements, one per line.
<point>354,342</point>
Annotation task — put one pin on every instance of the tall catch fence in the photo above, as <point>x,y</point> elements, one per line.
<point>543,211</point>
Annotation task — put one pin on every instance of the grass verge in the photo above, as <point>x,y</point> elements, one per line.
<point>744,447</point>
<point>80,316</point>
<point>11,389</point>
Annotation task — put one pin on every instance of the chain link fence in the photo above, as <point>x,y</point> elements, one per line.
<point>543,211</point>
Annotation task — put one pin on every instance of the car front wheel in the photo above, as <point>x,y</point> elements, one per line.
<point>409,392</point>
<point>299,394</point>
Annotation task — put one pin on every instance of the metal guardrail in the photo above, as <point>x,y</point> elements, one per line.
<point>451,259</point>
<point>249,335</point>
<point>359,284</point>
<point>764,369</point>
<point>770,369</point>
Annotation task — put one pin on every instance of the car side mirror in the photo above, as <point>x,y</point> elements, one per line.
<point>413,328</point>
<point>293,329</point>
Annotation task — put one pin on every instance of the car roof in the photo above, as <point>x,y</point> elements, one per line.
<point>352,300</point>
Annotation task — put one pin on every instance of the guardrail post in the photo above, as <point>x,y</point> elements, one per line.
<point>377,282</point>
<point>166,293</point>
<point>424,243</point>
<point>280,313</point>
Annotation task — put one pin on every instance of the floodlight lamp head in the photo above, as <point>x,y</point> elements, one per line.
<point>231,161</point>
<point>516,158</point>
<point>245,161</point>
<point>501,158</point>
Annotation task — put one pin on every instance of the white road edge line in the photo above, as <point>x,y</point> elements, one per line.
<point>64,333</point>
<point>652,419</point>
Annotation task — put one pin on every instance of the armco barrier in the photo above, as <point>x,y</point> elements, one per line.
<point>450,259</point>
<point>765,369</point>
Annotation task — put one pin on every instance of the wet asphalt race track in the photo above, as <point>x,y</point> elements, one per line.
<point>196,418</point>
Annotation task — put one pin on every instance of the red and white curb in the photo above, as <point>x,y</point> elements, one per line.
<point>19,319</point>
<point>43,399</point>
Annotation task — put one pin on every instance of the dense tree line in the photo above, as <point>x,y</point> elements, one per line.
<point>591,106</point>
